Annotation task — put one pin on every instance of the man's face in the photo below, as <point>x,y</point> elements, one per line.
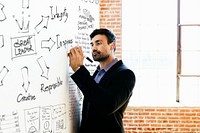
<point>101,50</point>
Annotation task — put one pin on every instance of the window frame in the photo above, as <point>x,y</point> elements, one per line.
<point>179,51</point>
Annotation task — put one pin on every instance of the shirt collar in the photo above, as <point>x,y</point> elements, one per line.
<point>108,66</point>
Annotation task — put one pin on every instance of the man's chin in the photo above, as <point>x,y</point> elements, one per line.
<point>99,59</point>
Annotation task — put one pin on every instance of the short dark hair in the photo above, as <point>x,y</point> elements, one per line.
<point>103,31</point>
<point>110,36</point>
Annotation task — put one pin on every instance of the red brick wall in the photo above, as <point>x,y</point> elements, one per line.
<point>162,120</point>
<point>110,17</point>
<point>148,119</point>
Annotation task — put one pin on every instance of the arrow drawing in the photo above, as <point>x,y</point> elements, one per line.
<point>25,76</point>
<point>2,14</point>
<point>47,44</point>
<point>1,41</point>
<point>44,67</point>
<point>4,71</point>
<point>42,24</point>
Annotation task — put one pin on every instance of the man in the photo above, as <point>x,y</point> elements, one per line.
<point>107,92</point>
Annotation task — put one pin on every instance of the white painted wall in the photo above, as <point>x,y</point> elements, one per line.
<point>149,43</point>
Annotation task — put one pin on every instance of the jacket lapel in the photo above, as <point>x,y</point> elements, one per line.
<point>111,70</point>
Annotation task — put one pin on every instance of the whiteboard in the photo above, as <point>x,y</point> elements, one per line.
<point>36,91</point>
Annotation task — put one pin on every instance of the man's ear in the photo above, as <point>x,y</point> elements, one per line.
<point>113,47</point>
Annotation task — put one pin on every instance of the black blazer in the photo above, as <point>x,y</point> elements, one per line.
<point>104,103</point>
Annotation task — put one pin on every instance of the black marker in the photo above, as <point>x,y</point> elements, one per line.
<point>90,60</point>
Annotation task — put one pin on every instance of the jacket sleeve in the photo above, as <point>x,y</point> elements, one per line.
<point>83,80</point>
<point>107,97</point>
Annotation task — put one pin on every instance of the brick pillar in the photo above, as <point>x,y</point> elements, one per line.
<point>110,17</point>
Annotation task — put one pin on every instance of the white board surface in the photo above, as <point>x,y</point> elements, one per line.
<point>37,94</point>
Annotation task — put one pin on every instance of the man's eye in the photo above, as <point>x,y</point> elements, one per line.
<point>99,43</point>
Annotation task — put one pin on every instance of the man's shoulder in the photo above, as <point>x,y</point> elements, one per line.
<point>121,67</point>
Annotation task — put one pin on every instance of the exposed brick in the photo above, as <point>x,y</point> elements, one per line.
<point>110,17</point>
<point>162,120</point>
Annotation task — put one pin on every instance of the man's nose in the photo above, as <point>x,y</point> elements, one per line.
<point>94,48</point>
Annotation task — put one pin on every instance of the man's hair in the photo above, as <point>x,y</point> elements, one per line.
<point>110,36</point>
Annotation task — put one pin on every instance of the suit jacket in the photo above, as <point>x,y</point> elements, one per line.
<point>104,103</point>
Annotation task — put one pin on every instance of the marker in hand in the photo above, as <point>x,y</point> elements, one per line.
<point>90,60</point>
<point>86,57</point>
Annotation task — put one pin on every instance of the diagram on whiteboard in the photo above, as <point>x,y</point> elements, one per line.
<point>37,93</point>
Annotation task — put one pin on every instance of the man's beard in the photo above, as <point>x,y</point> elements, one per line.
<point>99,57</point>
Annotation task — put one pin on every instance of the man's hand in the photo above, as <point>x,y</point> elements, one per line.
<point>76,58</point>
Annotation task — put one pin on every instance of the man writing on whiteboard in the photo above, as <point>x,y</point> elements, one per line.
<point>108,90</point>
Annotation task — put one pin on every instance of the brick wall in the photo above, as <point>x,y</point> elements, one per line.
<point>148,119</point>
<point>162,120</point>
<point>110,17</point>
